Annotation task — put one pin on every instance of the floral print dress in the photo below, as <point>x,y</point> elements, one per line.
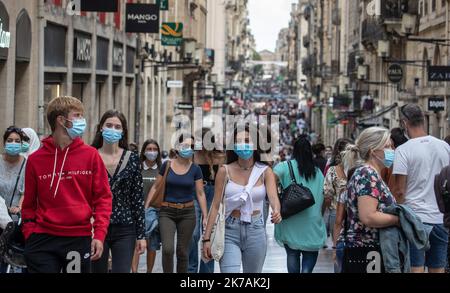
<point>365,182</point>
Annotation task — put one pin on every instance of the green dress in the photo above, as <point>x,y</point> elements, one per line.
<point>305,231</point>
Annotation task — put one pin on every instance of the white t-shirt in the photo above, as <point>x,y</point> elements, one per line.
<point>421,159</point>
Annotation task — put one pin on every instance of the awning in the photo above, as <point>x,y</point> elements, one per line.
<point>378,114</point>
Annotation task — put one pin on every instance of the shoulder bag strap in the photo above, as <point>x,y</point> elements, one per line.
<point>291,172</point>
<point>166,172</point>
<point>17,182</point>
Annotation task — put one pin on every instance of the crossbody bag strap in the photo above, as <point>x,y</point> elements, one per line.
<point>17,182</point>
<point>166,172</point>
<point>123,165</point>
<point>124,162</point>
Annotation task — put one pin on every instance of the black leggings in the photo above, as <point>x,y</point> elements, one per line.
<point>121,240</point>
<point>182,222</point>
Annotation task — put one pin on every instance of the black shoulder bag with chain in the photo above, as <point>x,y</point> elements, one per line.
<point>295,198</point>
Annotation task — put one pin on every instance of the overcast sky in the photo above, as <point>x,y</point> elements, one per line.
<point>267,18</point>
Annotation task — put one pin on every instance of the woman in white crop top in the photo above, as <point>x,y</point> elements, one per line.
<point>248,181</point>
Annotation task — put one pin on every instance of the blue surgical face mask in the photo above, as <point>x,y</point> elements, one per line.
<point>111,136</point>
<point>13,148</point>
<point>25,147</point>
<point>389,158</point>
<point>244,151</point>
<point>78,128</point>
<point>186,153</point>
<point>151,156</point>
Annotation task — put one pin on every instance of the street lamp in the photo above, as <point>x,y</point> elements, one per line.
<point>189,49</point>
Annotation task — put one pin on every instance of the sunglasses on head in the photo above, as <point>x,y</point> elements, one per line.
<point>16,130</point>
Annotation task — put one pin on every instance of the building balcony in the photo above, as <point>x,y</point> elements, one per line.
<point>308,65</point>
<point>393,10</point>
<point>372,31</point>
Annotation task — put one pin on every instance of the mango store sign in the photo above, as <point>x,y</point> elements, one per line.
<point>5,37</point>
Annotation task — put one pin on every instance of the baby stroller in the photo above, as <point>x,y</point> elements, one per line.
<point>15,248</point>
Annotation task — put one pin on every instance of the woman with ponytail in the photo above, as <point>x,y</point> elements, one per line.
<point>366,196</point>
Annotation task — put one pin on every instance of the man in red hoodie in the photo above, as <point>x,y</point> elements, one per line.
<point>66,185</point>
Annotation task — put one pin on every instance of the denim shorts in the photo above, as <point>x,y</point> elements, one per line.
<point>436,257</point>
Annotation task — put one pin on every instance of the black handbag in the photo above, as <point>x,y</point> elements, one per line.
<point>295,198</point>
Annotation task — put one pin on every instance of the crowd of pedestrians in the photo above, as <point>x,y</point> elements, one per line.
<point>111,202</point>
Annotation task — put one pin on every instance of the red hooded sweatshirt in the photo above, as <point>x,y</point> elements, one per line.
<point>64,189</point>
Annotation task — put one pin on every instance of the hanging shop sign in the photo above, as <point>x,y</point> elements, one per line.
<point>5,35</point>
<point>438,73</point>
<point>172,34</point>
<point>99,5</point>
<point>436,104</point>
<point>142,18</point>
<point>395,73</point>
<point>175,84</point>
<point>185,106</point>
<point>82,49</point>
<point>163,4</point>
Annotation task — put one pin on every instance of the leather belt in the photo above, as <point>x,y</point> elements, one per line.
<point>237,214</point>
<point>179,206</point>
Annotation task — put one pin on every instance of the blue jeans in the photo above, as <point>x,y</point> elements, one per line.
<point>307,263</point>
<point>246,244</point>
<point>266,209</point>
<point>205,268</point>
<point>329,218</point>
<point>339,257</point>
<point>331,221</point>
<point>436,257</point>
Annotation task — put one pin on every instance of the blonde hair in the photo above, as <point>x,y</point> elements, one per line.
<point>371,139</point>
<point>61,106</point>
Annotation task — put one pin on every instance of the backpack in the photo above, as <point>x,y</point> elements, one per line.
<point>442,191</point>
